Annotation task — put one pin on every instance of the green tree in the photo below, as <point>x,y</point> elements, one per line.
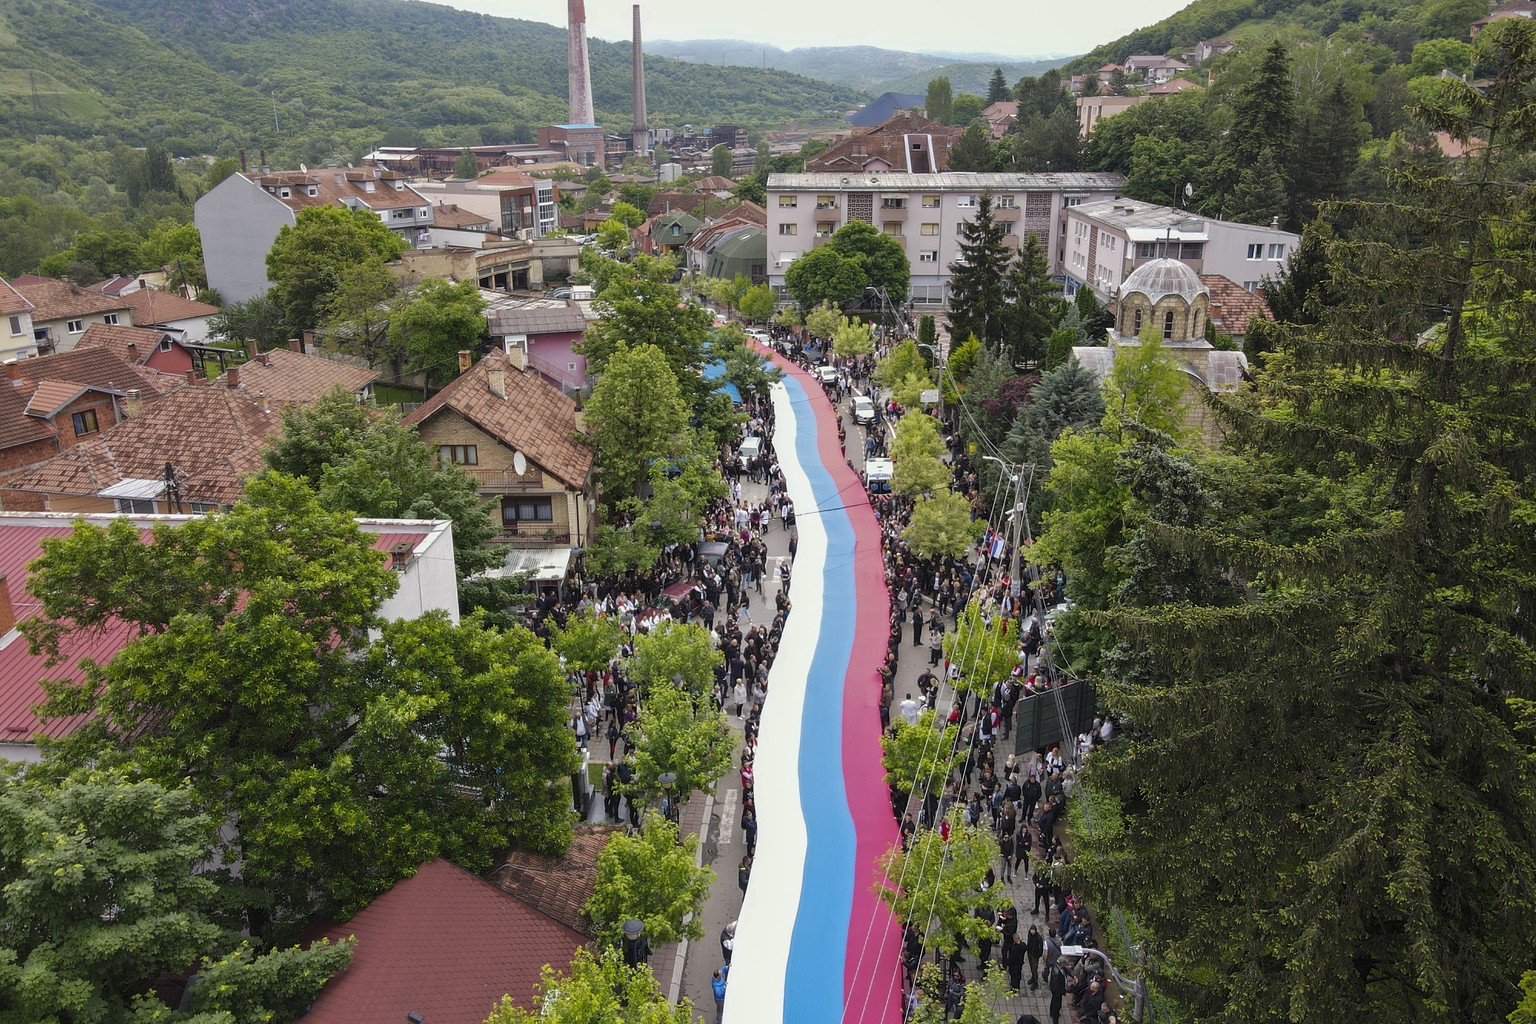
<point>1385,626</point>
<point>720,160</point>
<point>880,257</point>
<point>1525,1013</point>
<point>1260,194</point>
<point>1146,386</point>
<point>977,279</point>
<point>260,320</point>
<point>984,651</point>
<point>918,452</point>
<point>434,323</point>
<point>357,314</point>
<point>636,416</point>
<point>220,169</point>
<point>628,215</point>
<point>823,321</point>
<point>639,306</point>
<point>853,338</point>
<point>308,256</point>
<point>938,102</point>
<point>679,736</point>
<point>650,877</point>
<point>1327,152</point>
<point>589,642</point>
<point>997,87</point>
<point>466,166</point>
<point>902,361</point>
<point>1034,302</point>
<point>937,885</point>
<point>1268,107</point>
<point>673,651</point>
<point>972,151</point>
<point>966,109</point>
<point>598,987</point>
<point>941,526</point>
<point>613,236</point>
<point>103,896</point>
<point>825,276</point>
<point>919,757</point>
<point>757,303</point>
<point>927,330</point>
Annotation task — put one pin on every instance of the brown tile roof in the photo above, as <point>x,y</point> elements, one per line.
<point>330,192</point>
<point>62,300</point>
<point>52,395</point>
<point>11,300</point>
<point>889,142</point>
<point>444,944</point>
<point>1173,85</point>
<point>214,438</point>
<point>1232,305</point>
<point>152,306</point>
<point>534,417</point>
<point>557,885</point>
<point>296,378</point>
<point>508,179</point>
<point>539,317</point>
<point>448,215</point>
<point>116,340</point>
<point>94,367</point>
<point>675,202</point>
<point>714,183</point>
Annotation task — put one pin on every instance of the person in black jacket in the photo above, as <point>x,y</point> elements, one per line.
<point>1057,983</point>
<point>1034,948</point>
<point>1013,960</point>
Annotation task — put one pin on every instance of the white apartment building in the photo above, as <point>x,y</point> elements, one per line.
<point>924,212</point>
<point>1106,240</point>
<point>515,203</point>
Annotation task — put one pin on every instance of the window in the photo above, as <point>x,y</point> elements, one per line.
<point>85,422</point>
<point>789,229</point>
<point>526,510</point>
<point>677,229</point>
<point>423,212</point>
<point>930,229</point>
<point>15,326</point>
<point>458,454</point>
<point>1007,227</point>
<point>1250,286</point>
<point>311,191</point>
<point>1168,326</point>
<point>1004,202</point>
<point>786,258</point>
<point>826,202</point>
<point>110,319</point>
<point>1107,241</point>
<point>1277,251</point>
<point>1194,324</point>
<point>1146,250</point>
<point>285,193</point>
<point>135,506</point>
<point>930,202</point>
<point>966,202</point>
<point>1256,251</point>
<point>1191,250</point>
<point>928,256</point>
<point>403,215</point>
<point>165,344</point>
<point>1072,201</point>
<point>75,326</point>
<point>960,227</point>
<point>825,228</point>
<point>893,203</point>
<point>788,202</point>
<point>1136,327</point>
<point>891,227</point>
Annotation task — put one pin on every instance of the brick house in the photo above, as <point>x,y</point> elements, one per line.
<point>154,350</point>
<point>51,403</point>
<point>519,436</point>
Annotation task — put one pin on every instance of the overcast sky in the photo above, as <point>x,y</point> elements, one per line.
<point>1008,28</point>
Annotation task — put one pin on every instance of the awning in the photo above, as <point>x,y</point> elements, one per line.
<point>548,565</point>
<point>133,488</point>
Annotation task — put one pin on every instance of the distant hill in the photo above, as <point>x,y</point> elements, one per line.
<point>201,76</point>
<point>859,67</point>
<point>967,77</point>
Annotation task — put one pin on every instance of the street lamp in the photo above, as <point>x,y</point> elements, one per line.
<point>938,360</point>
<point>668,808</point>
<point>1137,987</point>
<point>636,949</point>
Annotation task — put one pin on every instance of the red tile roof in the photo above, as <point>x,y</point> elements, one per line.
<point>60,300</point>
<point>212,435</point>
<point>534,417</point>
<point>117,339</point>
<point>152,306</point>
<point>296,378</point>
<point>558,886</point>
<point>52,395</point>
<point>329,191</point>
<point>1232,305</point>
<point>445,944</point>
<point>21,539</point>
<point>94,366</point>
<point>11,300</point>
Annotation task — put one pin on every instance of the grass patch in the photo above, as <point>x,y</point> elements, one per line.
<point>391,394</point>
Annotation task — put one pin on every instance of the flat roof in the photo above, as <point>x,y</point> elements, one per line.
<point>950,181</point>
<point>1149,222</point>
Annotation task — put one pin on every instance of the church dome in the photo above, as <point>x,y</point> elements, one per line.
<point>1163,277</point>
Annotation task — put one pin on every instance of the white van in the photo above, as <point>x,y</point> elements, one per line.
<point>877,475</point>
<point>750,449</point>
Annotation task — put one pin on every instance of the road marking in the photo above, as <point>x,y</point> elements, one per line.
<point>727,818</point>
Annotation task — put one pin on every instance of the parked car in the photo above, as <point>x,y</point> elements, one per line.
<point>827,374</point>
<point>863,411</point>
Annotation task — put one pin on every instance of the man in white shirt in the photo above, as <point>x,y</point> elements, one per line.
<point>909,708</point>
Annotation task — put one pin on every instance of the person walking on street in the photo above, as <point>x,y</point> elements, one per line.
<point>744,873</point>
<point>1034,948</point>
<point>1013,960</point>
<point>917,627</point>
<point>935,647</point>
<point>1057,983</point>
<point>1005,848</point>
<point>717,985</point>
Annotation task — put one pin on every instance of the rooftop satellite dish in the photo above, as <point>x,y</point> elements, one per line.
<point>519,463</point>
<point>303,169</point>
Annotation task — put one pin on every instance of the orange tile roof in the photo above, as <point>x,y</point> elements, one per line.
<point>286,377</point>
<point>91,367</point>
<point>52,395</point>
<point>557,885</point>
<point>116,339</point>
<point>213,436</point>
<point>1232,306</point>
<point>62,300</point>
<point>330,192</point>
<point>534,417</point>
<point>11,300</point>
<point>152,306</point>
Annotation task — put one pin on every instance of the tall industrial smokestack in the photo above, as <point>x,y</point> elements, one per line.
<point>580,73</point>
<point>640,128</point>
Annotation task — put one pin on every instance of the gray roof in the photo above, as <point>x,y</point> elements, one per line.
<point>749,243</point>
<point>1096,359</point>
<point>949,181</point>
<point>1163,277</point>
<point>543,318</point>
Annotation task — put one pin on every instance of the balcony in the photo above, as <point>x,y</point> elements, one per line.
<point>531,534</point>
<point>1007,214</point>
<point>829,205</point>
<point>505,479</point>
<point>892,213</point>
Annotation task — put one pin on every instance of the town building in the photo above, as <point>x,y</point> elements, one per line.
<point>288,376</point>
<point>186,319</point>
<point>583,144</point>
<point>239,218</point>
<point>50,403</point>
<point>515,204</point>
<point>1206,49</point>
<point>19,339</point>
<point>152,349</point>
<point>1513,9</point>
<point>62,310</point>
<point>1093,109</point>
<point>1104,241</point>
<point>923,212</point>
<point>727,248</point>
<point>1153,67</point>
<point>906,142</point>
<point>547,330</point>
<point>1168,298</point>
<point>519,437</point>
<point>421,551</point>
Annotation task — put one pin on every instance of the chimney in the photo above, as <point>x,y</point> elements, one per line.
<point>133,404</point>
<point>243,168</point>
<point>191,376</point>
<point>265,359</point>
<point>466,359</point>
<point>579,77</point>
<point>294,345</point>
<point>261,400</point>
<point>133,352</point>
<point>265,168</point>
<point>496,378</point>
<point>639,126</point>
<point>7,610</point>
<point>12,370</point>
<point>233,377</point>
<point>341,179</point>
<point>518,355</point>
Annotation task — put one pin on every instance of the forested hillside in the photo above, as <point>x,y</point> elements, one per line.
<point>337,75</point>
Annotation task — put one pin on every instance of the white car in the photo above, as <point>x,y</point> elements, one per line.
<point>827,374</point>
<point>863,411</point>
<point>757,334</point>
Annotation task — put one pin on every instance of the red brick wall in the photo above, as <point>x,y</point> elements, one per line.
<point>29,454</point>
<point>63,420</point>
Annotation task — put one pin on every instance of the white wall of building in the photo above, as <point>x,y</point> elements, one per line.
<point>238,221</point>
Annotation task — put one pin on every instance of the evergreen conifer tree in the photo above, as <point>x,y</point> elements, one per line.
<point>997,87</point>
<point>977,299</point>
